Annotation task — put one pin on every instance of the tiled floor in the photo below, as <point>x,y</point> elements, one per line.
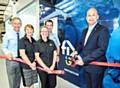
<point>61,83</point>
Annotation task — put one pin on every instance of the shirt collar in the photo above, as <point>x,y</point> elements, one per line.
<point>14,31</point>
<point>28,39</point>
<point>41,40</point>
<point>91,27</point>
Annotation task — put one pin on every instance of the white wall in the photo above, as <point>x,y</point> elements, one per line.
<point>29,15</point>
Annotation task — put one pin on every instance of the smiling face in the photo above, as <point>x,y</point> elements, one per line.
<point>16,23</point>
<point>29,30</point>
<point>92,16</point>
<point>44,33</point>
<point>49,26</point>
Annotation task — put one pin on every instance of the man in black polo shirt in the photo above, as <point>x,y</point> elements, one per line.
<point>45,53</point>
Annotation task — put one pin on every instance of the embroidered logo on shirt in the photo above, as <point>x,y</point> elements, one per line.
<point>50,44</point>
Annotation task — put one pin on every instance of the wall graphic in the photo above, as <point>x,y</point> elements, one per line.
<point>71,21</point>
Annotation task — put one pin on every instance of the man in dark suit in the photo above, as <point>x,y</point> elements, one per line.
<point>92,47</point>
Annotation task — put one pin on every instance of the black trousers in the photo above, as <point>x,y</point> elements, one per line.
<point>94,80</point>
<point>47,80</point>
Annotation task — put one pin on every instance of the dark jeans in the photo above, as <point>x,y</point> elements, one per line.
<point>14,74</point>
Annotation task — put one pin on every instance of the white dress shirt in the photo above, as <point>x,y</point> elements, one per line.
<point>55,38</point>
<point>90,28</point>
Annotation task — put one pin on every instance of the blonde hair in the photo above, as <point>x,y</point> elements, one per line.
<point>40,31</point>
<point>42,28</point>
<point>16,18</point>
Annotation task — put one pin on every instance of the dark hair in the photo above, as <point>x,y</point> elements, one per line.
<point>48,21</point>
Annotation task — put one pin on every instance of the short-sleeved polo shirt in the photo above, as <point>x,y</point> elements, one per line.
<point>46,51</point>
<point>29,49</point>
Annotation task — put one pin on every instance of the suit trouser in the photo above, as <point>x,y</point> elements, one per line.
<point>82,78</point>
<point>14,74</point>
<point>47,80</point>
<point>94,80</point>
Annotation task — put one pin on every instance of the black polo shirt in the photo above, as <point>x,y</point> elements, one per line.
<point>29,49</point>
<point>46,51</point>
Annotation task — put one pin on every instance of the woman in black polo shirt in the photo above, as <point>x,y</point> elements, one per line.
<point>45,53</point>
<point>26,46</point>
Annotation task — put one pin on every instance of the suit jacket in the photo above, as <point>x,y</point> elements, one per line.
<point>95,47</point>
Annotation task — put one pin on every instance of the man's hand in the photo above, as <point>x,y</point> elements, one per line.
<point>9,56</point>
<point>79,61</point>
<point>74,53</point>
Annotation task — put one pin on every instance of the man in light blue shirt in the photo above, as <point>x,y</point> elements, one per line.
<point>53,36</point>
<point>10,48</point>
